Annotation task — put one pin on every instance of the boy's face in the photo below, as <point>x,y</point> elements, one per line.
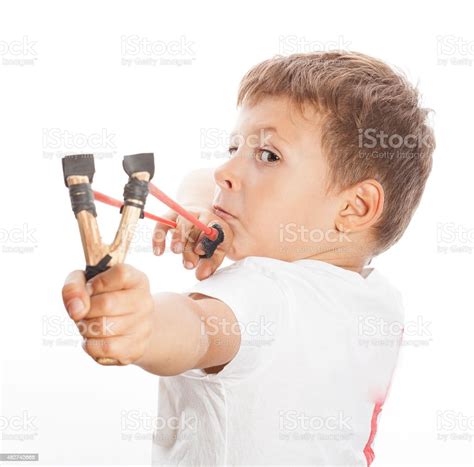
<point>274,184</point>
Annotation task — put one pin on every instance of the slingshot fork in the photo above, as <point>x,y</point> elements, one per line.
<point>78,175</point>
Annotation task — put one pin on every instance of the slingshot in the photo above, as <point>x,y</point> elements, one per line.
<point>78,176</point>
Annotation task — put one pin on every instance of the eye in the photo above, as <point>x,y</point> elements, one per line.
<point>232,149</point>
<point>267,156</point>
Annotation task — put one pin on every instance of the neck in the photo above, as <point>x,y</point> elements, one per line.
<point>356,263</point>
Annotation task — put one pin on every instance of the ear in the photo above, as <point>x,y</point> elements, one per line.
<point>362,206</point>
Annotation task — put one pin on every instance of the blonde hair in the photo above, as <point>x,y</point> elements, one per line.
<point>361,99</point>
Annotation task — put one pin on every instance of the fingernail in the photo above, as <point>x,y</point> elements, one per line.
<point>178,247</point>
<point>75,308</point>
<point>188,265</point>
<point>89,288</point>
<point>157,251</point>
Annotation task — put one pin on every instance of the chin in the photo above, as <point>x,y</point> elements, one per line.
<point>235,254</point>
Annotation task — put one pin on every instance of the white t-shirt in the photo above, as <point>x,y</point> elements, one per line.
<point>318,348</point>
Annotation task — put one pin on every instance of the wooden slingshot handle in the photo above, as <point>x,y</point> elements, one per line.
<point>78,175</point>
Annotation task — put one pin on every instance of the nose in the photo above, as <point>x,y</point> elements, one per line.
<point>228,175</point>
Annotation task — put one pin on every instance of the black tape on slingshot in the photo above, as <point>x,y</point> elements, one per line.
<point>101,266</point>
<point>135,190</point>
<point>82,198</point>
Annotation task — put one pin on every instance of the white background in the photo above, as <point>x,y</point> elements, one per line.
<point>75,94</point>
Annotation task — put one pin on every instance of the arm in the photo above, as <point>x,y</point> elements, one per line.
<point>186,335</point>
<point>165,334</point>
<point>197,189</point>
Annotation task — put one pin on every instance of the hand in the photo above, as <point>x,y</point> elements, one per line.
<point>186,239</point>
<point>113,312</point>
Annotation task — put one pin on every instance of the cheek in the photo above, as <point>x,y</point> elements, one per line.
<point>323,214</point>
<point>264,216</point>
<point>262,220</point>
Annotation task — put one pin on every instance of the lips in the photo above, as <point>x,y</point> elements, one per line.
<point>222,212</point>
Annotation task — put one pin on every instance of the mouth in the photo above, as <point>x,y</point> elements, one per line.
<point>222,212</point>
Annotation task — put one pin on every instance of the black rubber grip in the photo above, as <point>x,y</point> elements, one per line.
<point>79,164</point>
<point>144,162</point>
<point>209,246</point>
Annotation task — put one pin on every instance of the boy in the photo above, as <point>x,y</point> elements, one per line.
<point>286,356</point>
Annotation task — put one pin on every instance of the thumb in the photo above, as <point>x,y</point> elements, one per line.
<point>75,297</point>
<point>207,266</point>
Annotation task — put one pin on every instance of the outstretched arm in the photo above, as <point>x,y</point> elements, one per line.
<point>165,334</point>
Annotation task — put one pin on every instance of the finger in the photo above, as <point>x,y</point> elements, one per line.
<point>119,303</point>
<point>125,349</point>
<point>76,299</point>
<point>207,266</point>
<point>107,326</point>
<point>190,256</point>
<point>159,234</point>
<point>180,234</point>
<point>118,277</point>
